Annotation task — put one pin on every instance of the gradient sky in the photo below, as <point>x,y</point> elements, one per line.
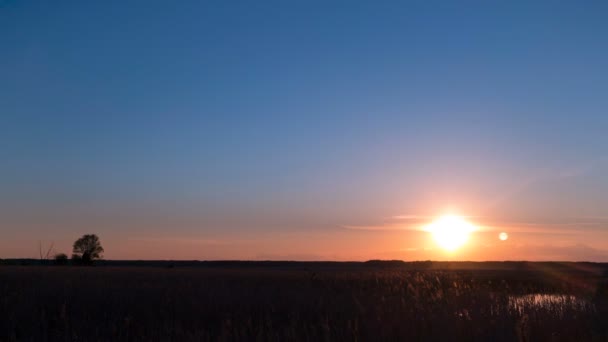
<point>302,129</point>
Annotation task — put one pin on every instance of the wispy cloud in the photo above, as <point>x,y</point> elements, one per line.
<point>411,217</point>
<point>378,227</point>
<point>395,222</point>
<point>572,225</point>
<point>187,240</point>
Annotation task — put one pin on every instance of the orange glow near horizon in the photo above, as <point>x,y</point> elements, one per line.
<point>450,232</point>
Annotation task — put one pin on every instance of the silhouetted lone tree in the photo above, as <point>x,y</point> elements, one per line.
<point>87,249</point>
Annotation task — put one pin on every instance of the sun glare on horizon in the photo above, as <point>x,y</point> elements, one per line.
<point>450,232</point>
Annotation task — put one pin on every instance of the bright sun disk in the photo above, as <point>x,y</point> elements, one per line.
<point>450,232</point>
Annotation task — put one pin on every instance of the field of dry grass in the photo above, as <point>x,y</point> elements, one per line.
<point>364,303</point>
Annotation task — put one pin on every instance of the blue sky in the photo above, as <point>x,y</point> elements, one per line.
<point>250,121</point>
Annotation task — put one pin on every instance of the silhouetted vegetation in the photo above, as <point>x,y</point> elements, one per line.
<point>305,301</point>
<point>61,259</point>
<point>87,249</point>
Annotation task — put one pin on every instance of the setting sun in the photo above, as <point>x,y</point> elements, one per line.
<point>450,232</point>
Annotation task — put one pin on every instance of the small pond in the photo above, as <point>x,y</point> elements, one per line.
<point>558,303</point>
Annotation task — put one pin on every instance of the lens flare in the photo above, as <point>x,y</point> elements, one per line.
<point>503,236</point>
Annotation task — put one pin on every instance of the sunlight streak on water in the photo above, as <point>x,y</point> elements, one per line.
<point>558,303</point>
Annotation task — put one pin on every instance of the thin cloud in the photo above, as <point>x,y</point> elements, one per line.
<point>574,225</point>
<point>386,227</point>
<point>186,240</point>
<point>569,225</point>
<point>396,222</point>
<point>378,228</point>
<point>411,217</point>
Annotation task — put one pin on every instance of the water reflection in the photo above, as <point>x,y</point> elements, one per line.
<point>557,303</point>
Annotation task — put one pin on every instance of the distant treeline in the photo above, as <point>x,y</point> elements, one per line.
<point>422,265</point>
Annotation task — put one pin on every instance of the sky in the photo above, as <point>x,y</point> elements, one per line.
<point>304,130</point>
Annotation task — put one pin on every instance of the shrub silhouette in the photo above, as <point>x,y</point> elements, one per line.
<point>87,249</point>
<point>61,259</point>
